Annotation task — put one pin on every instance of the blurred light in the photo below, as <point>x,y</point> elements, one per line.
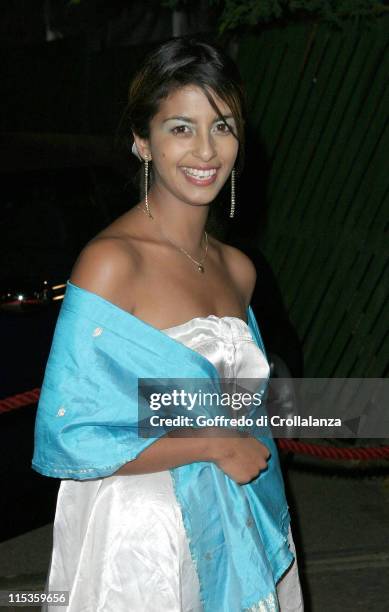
<point>20,297</point>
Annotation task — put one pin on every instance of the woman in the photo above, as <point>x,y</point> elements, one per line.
<point>129,540</point>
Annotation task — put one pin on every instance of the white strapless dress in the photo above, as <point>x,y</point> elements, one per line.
<point>119,543</point>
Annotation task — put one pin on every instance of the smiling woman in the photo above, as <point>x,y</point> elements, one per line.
<point>178,522</point>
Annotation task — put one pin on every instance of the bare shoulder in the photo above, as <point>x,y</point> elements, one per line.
<point>106,266</point>
<point>241,269</point>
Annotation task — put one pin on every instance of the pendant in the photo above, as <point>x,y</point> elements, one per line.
<point>200,268</point>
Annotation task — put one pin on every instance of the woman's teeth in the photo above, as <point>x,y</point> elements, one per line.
<point>200,174</point>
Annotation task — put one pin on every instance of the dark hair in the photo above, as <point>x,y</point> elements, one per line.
<point>182,61</point>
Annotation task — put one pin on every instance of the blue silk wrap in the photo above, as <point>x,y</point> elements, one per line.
<point>87,427</point>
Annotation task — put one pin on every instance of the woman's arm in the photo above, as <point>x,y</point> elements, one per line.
<point>238,454</point>
<point>170,452</point>
<point>242,271</point>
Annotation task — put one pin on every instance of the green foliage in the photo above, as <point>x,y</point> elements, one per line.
<point>237,13</point>
<point>248,13</point>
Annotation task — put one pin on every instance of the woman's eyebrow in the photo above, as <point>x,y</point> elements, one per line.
<point>189,120</point>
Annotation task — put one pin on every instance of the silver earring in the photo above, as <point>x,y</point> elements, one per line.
<point>232,209</point>
<point>147,186</point>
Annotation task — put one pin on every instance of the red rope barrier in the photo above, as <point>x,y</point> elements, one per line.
<point>285,444</point>
<point>18,401</point>
<point>333,452</point>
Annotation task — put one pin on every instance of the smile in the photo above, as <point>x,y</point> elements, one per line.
<point>200,177</point>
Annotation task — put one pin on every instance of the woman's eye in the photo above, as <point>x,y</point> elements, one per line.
<point>224,127</point>
<point>179,129</point>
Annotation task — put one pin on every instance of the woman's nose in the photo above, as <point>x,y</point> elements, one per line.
<point>205,146</point>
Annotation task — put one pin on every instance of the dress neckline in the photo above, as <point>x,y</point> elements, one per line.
<point>211,316</point>
<point>109,313</point>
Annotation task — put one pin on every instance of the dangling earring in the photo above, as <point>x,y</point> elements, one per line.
<point>232,209</point>
<point>147,186</point>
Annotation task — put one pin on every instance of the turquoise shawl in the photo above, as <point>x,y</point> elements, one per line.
<point>86,427</point>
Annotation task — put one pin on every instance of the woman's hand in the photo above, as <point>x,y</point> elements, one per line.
<point>241,456</point>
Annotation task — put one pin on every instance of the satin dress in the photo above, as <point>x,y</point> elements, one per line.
<point>119,543</point>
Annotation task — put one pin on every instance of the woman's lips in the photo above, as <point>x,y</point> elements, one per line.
<point>195,180</point>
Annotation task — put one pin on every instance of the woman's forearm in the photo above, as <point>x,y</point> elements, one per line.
<point>172,450</point>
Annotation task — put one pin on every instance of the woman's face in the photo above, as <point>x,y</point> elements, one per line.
<point>193,151</point>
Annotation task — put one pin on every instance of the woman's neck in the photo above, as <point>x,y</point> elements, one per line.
<point>181,222</point>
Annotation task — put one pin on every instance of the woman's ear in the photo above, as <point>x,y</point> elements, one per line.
<point>141,147</point>
<point>135,151</point>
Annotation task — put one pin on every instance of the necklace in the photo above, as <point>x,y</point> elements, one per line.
<point>199,264</point>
